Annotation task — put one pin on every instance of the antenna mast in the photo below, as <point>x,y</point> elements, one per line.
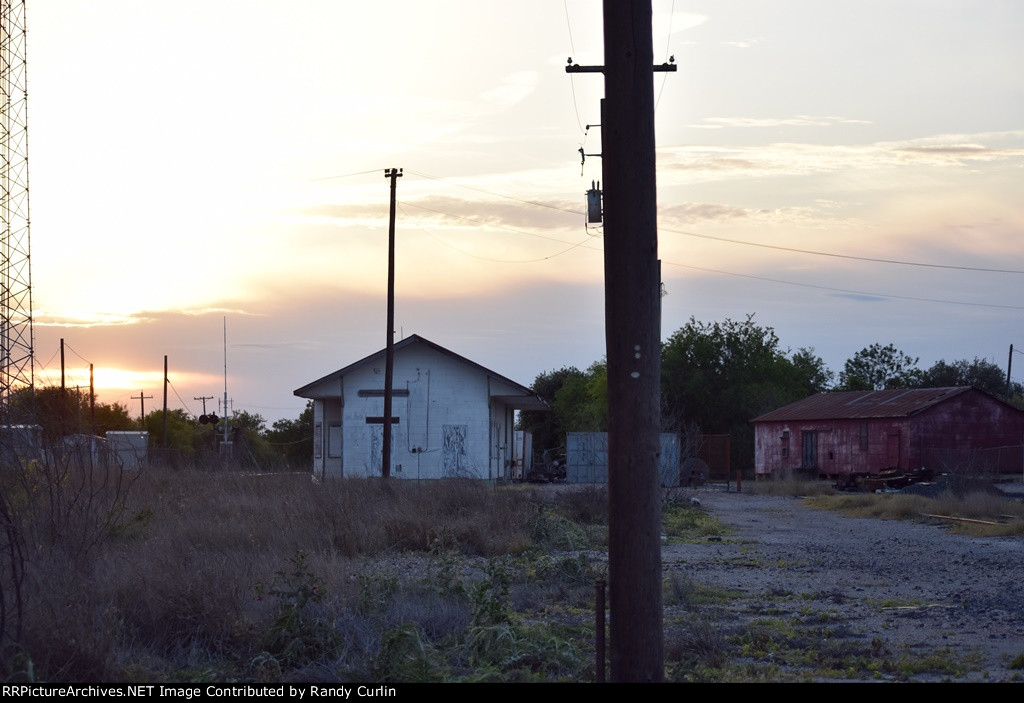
<point>17,367</point>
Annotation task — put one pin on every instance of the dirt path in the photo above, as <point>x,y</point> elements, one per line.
<point>900,594</point>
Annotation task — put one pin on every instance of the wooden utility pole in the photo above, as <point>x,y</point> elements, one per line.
<point>1009,368</point>
<point>165,402</point>
<point>142,397</point>
<point>92,402</point>
<point>633,340</point>
<point>389,355</point>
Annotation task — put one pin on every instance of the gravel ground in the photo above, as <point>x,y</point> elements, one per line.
<point>898,591</point>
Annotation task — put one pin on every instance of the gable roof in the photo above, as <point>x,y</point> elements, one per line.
<point>524,398</point>
<point>847,405</point>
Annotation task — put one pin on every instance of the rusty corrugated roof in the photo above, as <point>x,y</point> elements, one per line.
<point>862,404</point>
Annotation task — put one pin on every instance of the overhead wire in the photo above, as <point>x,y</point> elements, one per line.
<point>488,258</point>
<point>582,245</point>
<point>176,395</point>
<point>762,245</point>
<point>68,346</point>
<point>668,45</point>
<point>572,85</point>
<point>497,195</point>
<point>847,290</point>
<point>484,224</point>
<point>346,175</point>
<point>840,256</point>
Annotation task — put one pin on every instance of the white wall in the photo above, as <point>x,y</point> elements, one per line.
<point>443,427</point>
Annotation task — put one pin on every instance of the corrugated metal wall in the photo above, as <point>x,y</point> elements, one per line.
<point>587,458</point>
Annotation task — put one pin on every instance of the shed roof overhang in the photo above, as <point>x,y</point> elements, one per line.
<point>522,402</point>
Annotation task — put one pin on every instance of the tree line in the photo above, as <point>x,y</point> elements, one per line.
<point>188,442</point>
<point>717,376</point>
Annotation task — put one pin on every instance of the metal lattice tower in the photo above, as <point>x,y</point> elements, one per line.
<point>17,367</point>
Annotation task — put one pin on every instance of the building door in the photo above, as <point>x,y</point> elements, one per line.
<point>892,453</point>
<point>809,456</point>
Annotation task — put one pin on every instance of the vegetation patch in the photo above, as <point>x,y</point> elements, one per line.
<point>688,523</point>
<point>966,514</point>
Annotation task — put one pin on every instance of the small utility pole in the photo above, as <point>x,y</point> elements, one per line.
<point>165,402</point>
<point>633,340</point>
<point>92,402</point>
<point>203,398</point>
<point>227,416</point>
<point>1009,367</point>
<point>141,397</point>
<point>389,355</point>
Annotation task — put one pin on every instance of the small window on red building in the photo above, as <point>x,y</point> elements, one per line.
<point>863,436</point>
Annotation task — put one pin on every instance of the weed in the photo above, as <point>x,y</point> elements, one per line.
<point>698,643</point>
<point>376,592</point>
<point>685,523</point>
<point>294,638</point>
<point>680,589</point>
<point>405,657</point>
<point>973,506</point>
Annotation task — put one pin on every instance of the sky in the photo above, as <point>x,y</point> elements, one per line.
<point>208,177</point>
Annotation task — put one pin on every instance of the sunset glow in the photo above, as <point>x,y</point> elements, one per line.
<point>205,165</point>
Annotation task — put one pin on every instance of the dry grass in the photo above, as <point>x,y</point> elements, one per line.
<point>974,506</point>
<point>169,588</point>
<point>789,487</point>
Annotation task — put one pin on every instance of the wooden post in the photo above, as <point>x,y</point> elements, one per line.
<point>389,355</point>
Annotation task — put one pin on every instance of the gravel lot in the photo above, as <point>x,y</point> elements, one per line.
<point>895,590</point>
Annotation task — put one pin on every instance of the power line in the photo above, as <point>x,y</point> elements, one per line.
<point>497,195</point>
<point>486,224</point>
<point>582,245</point>
<point>840,256</point>
<point>572,86</point>
<point>846,290</point>
<point>668,44</point>
<point>500,261</point>
<point>899,262</point>
<point>176,395</point>
<point>68,346</point>
<point>345,175</point>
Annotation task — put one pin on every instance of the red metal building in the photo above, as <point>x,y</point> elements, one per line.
<point>863,432</point>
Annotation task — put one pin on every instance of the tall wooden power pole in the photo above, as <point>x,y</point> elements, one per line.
<point>389,355</point>
<point>633,340</point>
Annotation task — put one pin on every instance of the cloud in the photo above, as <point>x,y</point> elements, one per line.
<point>438,211</point>
<point>712,163</point>
<point>513,89</point>
<point>701,212</point>
<point>743,43</point>
<point>93,319</point>
<point>796,121</point>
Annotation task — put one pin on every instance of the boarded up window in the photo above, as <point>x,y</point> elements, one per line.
<point>334,442</point>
